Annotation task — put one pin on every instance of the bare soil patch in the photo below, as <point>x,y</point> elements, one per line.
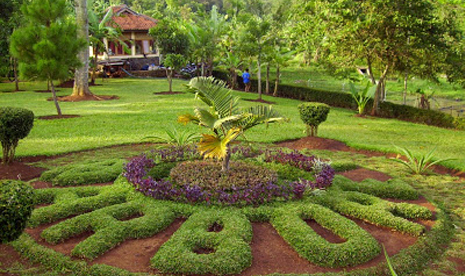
<point>85,98</point>
<point>362,174</point>
<point>19,171</point>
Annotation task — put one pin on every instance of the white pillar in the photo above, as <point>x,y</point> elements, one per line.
<point>133,46</point>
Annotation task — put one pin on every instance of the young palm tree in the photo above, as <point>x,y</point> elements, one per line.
<point>223,117</point>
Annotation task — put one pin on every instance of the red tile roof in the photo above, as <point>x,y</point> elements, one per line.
<point>129,20</point>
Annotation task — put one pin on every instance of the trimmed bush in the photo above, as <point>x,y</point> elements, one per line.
<point>313,114</point>
<point>392,188</point>
<point>88,173</point>
<point>15,124</point>
<point>377,211</point>
<point>229,248</point>
<point>291,226</point>
<point>16,205</point>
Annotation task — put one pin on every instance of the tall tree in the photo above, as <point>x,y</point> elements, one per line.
<point>380,33</point>
<point>46,46</point>
<point>171,40</point>
<point>253,43</point>
<point>81,75</point>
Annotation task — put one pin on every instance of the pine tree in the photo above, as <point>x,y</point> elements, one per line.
<point>46,46</point>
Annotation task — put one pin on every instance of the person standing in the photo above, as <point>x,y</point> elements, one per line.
<point>246,79</point>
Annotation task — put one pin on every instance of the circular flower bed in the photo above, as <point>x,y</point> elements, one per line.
<point>198,181</point>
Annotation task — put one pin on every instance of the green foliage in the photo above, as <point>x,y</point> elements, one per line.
<point>376,210</point>
<point>286,172</point>
<point>230,251</point>
<point>342,166</point>
<point>459,123</point>
<point>392,188</point>
<point>16,205</point>
<point>388,261</point>
<point>170,38</point>
<point>46,46</point>
<point>88,173</point>
<point>313,114</point>
<point>15,124</point>
<point>359,246</point>
<point>177,138</point>
<point>161,170</point>
<point>418,164</point>
<point>362,96</point>
<point>207,174</point>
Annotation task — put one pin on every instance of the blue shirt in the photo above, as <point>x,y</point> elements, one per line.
<point>246,77</point>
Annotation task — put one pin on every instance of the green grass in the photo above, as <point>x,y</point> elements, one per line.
<point>139,113</point>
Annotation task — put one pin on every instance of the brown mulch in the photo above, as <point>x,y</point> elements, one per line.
<point>85,98</point>
<point>168,93</point>
<point>271,254</point>
<point>18,170</point>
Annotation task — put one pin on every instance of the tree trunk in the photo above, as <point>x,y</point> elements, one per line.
<point>378,93</point>
<point>81,75</point>
<point>267,85</point>
<point>276,82</point>
<point>227,158</point>
<point>259,77</point>
<point>15,72</point>
<point>370,72</point>
<point>233,76</point>
<point>94,68</point>
<point>169,75</point>
<point>55,100</point>
<point>404,100</point>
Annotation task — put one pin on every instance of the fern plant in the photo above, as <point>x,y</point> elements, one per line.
<point>418,164</point>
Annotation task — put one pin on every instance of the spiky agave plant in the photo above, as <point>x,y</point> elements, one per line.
<point>418,164</point>
<point>223,117</point>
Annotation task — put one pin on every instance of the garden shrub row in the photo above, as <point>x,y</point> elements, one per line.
<point>73,201</point>
<point>110,228</point>
<point>358,248</point>
<point>345,100</point>
<point>230,250</point>
<point>377,211</point>
<point>81,174</point>
<point>393,188</point>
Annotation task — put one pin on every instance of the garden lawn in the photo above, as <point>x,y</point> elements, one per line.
<point>140,113</point>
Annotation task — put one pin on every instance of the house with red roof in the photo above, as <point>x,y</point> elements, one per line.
<point>135,32</point>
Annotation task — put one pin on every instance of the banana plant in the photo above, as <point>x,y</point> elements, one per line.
<point>362,96</point>
<point>223,117</point>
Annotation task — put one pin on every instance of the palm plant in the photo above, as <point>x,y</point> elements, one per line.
<point>176,138</point>
<point>418,164</point>
<point>223,117</point>
<point>362,96</point>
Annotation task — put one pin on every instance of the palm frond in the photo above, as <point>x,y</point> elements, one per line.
<point>215,94</point>
<point>188,118</point>
<point>260,114</point>
<point>214,146</point>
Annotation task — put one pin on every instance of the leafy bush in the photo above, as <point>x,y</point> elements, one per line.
<point>231,251</point>
<point>392,188</point>
<point>88,173</point>
<point>16,205</point>
<point>459,123</point>
<point>363,96</point>
<point>291,226</point>
<point>313,114</point>
<point>15,124</point>
<point>208,175</point>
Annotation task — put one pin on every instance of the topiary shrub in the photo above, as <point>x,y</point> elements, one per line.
<point>313,114</point>
<point>16,205</point>
<point>15,124</point>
